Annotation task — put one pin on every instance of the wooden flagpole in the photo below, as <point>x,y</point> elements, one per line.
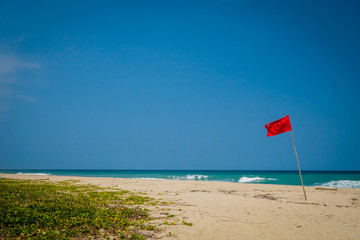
<point>298,165</point>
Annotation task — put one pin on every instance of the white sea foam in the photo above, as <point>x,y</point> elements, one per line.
<point>40,174</point>
<point>149,178</point>
<point>190,177</point>
<point>255,179</point>
<point>196,177</point>
<point>341,184</point>
<point>250,179</point>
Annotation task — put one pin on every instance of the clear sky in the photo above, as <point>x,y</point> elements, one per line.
<point>179,84</point>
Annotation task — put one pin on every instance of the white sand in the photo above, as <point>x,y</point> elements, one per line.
<point>221,210</point>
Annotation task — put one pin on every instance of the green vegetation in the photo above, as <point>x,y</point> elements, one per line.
<point>187,223</point>
<point>65,210</point>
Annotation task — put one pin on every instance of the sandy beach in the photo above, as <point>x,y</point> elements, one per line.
<point>221,210</point>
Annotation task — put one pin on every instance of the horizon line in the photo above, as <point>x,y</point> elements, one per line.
<point>69,169</point>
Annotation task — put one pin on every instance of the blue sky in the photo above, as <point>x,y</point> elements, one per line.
<point>179,84</point>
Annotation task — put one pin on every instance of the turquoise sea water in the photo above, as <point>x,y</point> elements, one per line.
<point>342,179</point>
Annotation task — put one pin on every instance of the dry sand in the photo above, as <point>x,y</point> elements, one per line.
<point>221,210</point>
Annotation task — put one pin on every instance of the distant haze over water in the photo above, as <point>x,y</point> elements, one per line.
<point>340,179</point>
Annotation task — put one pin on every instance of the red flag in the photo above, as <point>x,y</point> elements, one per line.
<point>279,126</point>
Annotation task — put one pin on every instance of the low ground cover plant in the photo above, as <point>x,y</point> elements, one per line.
<point>65,210</point>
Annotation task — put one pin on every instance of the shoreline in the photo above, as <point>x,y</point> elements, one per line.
<point>228,210</point>
<point>288,178</point>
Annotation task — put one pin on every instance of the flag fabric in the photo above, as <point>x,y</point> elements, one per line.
<point>279,126</point>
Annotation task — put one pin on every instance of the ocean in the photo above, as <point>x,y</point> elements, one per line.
<point>339,179</point>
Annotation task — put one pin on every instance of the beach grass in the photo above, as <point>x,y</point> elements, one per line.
<point>67,210</point>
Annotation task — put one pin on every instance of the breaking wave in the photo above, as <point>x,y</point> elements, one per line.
<point>151,178</point>
<point>255,179</point>
<point>341,184</point>
<point>196,177</point>
<point>40,174</point>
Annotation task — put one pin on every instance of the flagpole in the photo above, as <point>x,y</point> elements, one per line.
<point>298,165</point>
